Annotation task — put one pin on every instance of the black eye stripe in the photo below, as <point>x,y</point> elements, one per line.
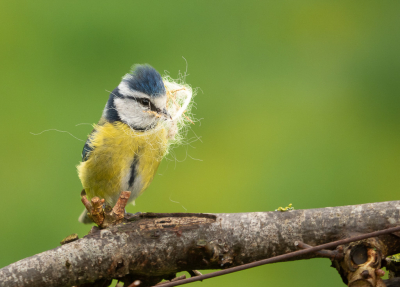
<point>143,101</point>
<point>140,100</point>
<point>133,98</point>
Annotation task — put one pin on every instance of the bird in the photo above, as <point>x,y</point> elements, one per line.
<point>125,148</point>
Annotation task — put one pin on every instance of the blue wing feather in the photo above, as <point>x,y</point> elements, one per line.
<point>87,148</point>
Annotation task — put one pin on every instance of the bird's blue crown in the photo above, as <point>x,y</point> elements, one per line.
<point>145,79</point>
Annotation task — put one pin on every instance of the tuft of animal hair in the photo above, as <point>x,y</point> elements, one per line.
<point>179,105</point>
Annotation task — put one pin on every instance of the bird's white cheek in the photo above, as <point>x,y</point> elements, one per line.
<point>133,114</point>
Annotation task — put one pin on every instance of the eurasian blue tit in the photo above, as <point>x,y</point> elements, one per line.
<point>125,148</point>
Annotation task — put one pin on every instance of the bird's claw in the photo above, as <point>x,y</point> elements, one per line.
<point>104,217</point>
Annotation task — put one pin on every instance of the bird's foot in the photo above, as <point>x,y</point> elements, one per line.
<point>107,216</point>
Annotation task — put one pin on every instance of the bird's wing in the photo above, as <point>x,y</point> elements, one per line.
<point>87,148</point>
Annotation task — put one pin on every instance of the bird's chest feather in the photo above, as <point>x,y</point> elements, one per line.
<point>122,159</point>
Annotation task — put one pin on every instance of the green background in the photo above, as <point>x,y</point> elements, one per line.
<point>299,104</point>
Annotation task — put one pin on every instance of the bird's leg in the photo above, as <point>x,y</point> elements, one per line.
<point>119,208</point>
<point>94,207</point>
<point>107,216</point>
<point>85,201</point>
<point>116,214</point>
<point>97,213</point>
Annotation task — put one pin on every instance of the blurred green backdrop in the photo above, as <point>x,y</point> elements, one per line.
<point>299,103</point>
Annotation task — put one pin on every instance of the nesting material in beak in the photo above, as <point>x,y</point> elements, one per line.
<point>160,114</point>
<point>178,111</point>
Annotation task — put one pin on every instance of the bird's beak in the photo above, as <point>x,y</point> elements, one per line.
<point>164,113</point>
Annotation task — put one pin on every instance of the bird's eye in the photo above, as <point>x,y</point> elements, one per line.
<point>145,102</point>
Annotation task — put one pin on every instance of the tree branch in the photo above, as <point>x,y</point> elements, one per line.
<point>156,246</point>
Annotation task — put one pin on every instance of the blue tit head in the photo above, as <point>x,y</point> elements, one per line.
<point>139,100</point>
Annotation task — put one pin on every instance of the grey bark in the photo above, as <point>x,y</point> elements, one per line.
<point>159,245</point>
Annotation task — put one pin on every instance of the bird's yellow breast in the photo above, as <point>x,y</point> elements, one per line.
<point>116,149</point>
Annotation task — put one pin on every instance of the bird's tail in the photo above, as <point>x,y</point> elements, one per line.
<point>84,218</point>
